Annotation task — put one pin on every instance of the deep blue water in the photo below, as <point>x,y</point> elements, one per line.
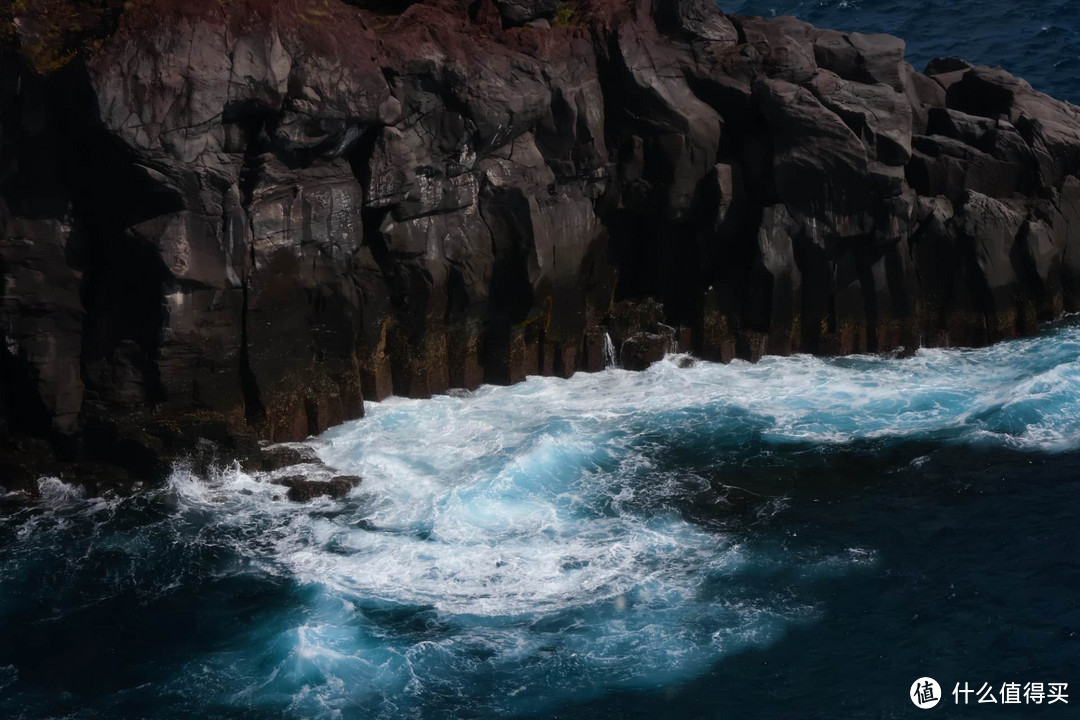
<point>795,539</point>
<point>1039,40</point>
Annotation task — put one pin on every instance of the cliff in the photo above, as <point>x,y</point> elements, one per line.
<point>226,222</point>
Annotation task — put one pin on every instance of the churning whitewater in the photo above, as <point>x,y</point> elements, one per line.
<point>514,548</point>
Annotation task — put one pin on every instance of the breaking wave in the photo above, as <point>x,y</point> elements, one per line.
<point>512,548</point>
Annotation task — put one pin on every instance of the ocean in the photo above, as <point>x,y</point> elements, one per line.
<point>799,538</point>
<point>1038,40</point>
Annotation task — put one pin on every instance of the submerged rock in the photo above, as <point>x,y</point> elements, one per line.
<point>237,222</point>
<point>302,489</point>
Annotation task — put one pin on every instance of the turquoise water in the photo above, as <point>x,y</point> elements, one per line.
<point>1039,40</point>
<point>798,538</point>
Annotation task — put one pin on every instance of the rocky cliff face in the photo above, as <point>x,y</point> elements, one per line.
<point>236,221</point>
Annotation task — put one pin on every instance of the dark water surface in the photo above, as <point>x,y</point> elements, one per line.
<point>1039,40</point>
<point>799,538</point>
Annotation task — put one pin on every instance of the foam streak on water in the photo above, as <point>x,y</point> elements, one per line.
<point>515,547</point>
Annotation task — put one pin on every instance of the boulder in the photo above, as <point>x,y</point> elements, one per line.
<point>303,490</point>
<point>642,349</point>
<point>866,59</point>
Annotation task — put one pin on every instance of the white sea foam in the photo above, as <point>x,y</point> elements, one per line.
<point>541,527</point>
<point>54,491</point>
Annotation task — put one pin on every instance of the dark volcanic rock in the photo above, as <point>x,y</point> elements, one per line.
<point>232,223</point>
<point>519,12</point>
<point>642,349</point>
<point>697,19</point>
<point>278,457</point>
<point>303,490</point>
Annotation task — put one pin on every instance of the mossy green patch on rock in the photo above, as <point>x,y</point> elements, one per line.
<point>567,14</point>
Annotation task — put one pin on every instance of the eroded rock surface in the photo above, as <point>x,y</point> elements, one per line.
<point>237,221</point>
